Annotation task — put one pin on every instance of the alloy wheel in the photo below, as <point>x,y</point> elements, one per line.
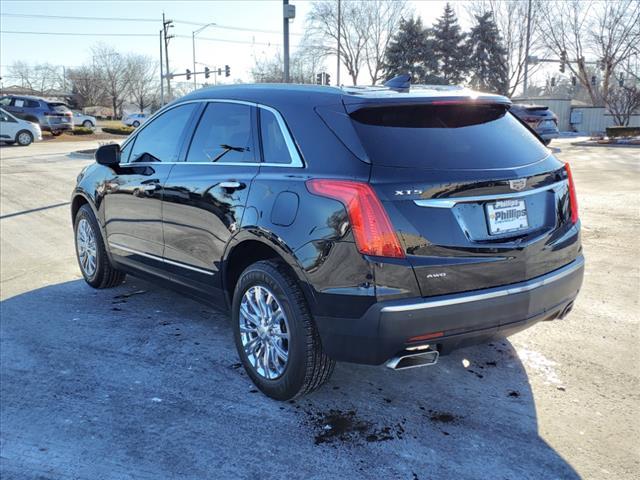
<point>86,246</point>
<point>264,332</point>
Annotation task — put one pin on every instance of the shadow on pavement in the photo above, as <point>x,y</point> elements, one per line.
<point>140,382</point>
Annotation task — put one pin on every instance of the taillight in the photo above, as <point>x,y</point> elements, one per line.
<point>371,226</point>
<point>573,199</point>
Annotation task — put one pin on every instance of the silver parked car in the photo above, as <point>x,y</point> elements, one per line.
<point>82,120</point>
<point>15,130</point>
<point>135,119</point>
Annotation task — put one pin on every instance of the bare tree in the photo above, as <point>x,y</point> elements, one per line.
<point>306,61</point>
<point>366,28</point>
<point>87,85</point>
<point>112,68</point>
<point>323,24</point>
<point>383,19</point>
<point>143,86</point>
<point>511,18</point>
<point>43,78</point>
<point>606,32</point>
<point>622,102</point>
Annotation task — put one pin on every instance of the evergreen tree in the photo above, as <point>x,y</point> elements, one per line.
<point>450,48</point>
<point>411,51</point>
<point>488,57</point>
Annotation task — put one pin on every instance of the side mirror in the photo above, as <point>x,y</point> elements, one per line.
<point>108,155</point>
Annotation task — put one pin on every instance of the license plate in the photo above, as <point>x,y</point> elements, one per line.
<point>506,216</point>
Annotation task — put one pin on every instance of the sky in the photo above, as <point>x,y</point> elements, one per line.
<point>244,30</point>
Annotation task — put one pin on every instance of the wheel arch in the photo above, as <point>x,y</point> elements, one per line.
<point>249,247</point>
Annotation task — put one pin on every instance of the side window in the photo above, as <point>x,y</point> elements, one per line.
<point>32,104</point>
<point>18,102</point>
<point>161,139</point>
<point>274,146</point>
<point>224,135</point>
<point>126,151</point>
<point>5,102</point>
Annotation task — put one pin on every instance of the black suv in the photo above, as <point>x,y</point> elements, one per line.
<point>54,117</point>
<point>368,225</point>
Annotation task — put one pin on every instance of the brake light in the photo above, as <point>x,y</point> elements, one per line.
<point>371,226</point>
<point>573,199</point>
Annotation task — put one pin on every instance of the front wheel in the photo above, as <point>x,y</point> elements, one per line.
<point>90,251</point>
<point>275,335</point>
<point>87,124</point>
<point>136,124</point>
<point>56,133</point>
<point>24,138</point>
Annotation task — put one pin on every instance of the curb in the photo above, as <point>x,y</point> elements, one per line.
<point>87,154</point>
<point>611,145</point>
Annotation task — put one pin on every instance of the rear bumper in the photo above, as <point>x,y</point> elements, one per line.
<point>386,327</point>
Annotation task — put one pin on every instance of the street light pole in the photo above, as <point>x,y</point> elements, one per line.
<point>338,66</point>
<point>285,30</point>
<point>161,72</point>
<point>193,40</point>
<point>526,51</point>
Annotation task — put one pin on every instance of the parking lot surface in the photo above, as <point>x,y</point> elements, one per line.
<point>140,382</point>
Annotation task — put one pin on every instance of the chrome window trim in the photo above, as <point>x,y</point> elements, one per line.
<point>501,292</point>
<point>160,259</point>
<point>451,202</point>
<point>296,159</point>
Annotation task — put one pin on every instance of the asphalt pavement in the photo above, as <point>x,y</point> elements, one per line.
<point>138,382</point>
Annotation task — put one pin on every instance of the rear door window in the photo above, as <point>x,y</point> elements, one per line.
<point>446,137</point>
<point>58,107</point>
<point>274,145</point>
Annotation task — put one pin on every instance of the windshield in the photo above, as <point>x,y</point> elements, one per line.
<point>455,136</point>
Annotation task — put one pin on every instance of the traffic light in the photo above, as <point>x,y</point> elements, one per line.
<point>553,81</point>
<point>219,71</point>
<point>621,80</point>
<point>593,80</point>
<point>206,72</point>
<point>563,60</point>
<point>188,74</point>
<point>327,79</point>
<point>319,79</point>
<point>574,81</point>
<point>227,71</point>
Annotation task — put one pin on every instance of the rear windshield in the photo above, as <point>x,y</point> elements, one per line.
<point>58,107</point>
<point>446,137</point>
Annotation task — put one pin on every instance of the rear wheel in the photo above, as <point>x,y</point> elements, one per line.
<point>275,335</point>
<point>24,138</point>
<point>87,124</point>
<point>90,251</point>
<point>56,133</point>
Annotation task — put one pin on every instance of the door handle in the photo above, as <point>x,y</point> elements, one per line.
<point>231,185</point>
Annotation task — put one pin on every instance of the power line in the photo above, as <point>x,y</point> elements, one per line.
<point>83,34</point>
<point>131,19</point>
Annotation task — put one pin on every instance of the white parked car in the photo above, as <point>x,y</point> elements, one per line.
<point>135,119</point>
<point>13,130</point>
<point>82,120</point>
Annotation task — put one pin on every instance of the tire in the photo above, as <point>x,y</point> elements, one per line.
<point>136,124</point>
<point>87,124</point>
<point>307,367</point>
<point>24,138</point>
<point>103,274</point>
<point>56,133</point>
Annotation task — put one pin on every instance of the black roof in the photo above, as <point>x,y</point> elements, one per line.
<point>275,94</point>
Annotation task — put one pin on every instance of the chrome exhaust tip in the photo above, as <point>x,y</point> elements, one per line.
<point>413,360</point>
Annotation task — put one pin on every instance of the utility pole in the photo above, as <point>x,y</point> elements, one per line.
<point>526,50</point>
<point>161,72</point>
<point>339,27</point>
<point>288,12</point>
<point>285,30</point>
<point>166,24</point>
